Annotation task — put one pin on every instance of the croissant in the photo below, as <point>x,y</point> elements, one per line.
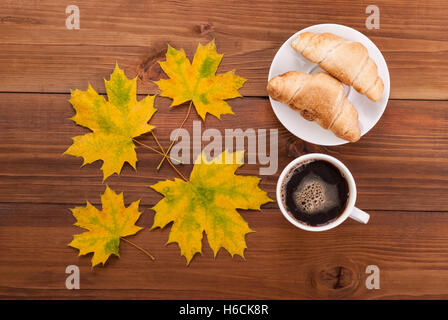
<point>320,98</point>
<point>345,60</point>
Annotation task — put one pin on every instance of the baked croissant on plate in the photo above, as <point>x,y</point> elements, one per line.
<point>345,60</point>
<point>320,98</point>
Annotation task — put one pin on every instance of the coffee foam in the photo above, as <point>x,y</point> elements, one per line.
<point>288,176</point>
<point>313,195</point>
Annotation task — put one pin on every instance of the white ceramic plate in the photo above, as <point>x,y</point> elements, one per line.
<point>369,112</point>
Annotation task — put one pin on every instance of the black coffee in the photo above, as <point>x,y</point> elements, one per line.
<point>315,193</point>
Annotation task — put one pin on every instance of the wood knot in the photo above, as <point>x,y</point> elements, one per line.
<point>336,278</point>
<point>150,68</point>
<point>204,29</point>
<point>299,147</point>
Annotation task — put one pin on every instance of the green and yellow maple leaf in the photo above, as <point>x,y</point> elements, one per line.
<point>114,123</point>
<point>197,81</point>
<point>106,227</point>
<point>208,202</point>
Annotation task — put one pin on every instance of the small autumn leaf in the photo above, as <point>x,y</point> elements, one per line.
<point>197,81</point>
<point>114,123</point>
<point>208,202</point>
<point>106,227</point>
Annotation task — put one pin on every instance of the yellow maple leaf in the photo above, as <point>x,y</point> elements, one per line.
<point>114,123</point>
<point>106,227</point>
<point>197,81</point>
<point>208,202</point>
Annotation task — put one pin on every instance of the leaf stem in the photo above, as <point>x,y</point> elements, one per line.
<point>139,248</point>
<point>177,136</point>
<point>155,150</point>
<point>149,147</point>
<point>174,167</point>
<point>160,146</point>
<point>167,158</point>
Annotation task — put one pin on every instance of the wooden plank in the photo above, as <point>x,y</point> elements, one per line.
<point>282,262</point>
<point>37,50</point>
<point>402,164</point>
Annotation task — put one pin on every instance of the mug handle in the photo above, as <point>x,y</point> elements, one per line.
<point>359,215</point>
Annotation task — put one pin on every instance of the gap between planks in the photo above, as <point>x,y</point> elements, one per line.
<point>268,206</point>
<point>143,95</point>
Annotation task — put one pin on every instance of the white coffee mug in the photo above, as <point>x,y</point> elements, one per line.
<point>350,209</point>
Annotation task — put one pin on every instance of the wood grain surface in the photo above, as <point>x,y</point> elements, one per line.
<point>413,39</point>
<point>400,166</point>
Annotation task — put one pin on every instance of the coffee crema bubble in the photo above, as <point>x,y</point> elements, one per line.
<point>315,192</point>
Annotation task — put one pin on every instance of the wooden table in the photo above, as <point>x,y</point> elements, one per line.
<point>401,166</point>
